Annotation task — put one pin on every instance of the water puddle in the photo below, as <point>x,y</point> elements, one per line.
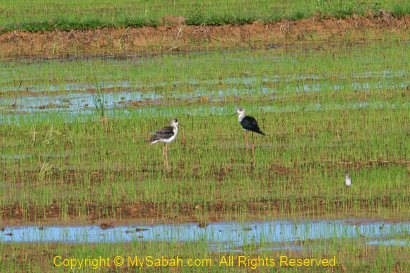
<point>73,101</point>
<point>79,98</point>
<point>221,236</point>
<point>403,243</point>
<point>245,80</point>
<point>82,100</point>
<point>77,103</point>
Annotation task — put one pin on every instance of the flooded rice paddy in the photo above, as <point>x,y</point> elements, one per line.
<point>74,150</point>
<point>226,236</point>
<point>78,98</point>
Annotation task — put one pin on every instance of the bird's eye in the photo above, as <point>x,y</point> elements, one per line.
<point>176,120</point>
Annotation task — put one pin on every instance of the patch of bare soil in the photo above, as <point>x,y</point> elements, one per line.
<point>98,213</point>
<point>178,37</point>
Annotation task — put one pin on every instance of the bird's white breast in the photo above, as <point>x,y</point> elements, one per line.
<point>240,117</point>
<point>168,140</point>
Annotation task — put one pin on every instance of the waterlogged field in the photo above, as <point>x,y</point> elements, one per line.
<point>74,150</point>
<point>325,112</point>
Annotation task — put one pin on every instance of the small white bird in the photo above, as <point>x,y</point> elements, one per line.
<point>348,180</point>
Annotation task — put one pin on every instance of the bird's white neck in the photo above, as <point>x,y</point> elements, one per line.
<point>175,129</point>
<point>241,115</point>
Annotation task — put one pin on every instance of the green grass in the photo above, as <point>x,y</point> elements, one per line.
<point>355,120</point>
<point>76,14</point>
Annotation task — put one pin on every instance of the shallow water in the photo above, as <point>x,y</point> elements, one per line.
<point>127,92</point>
<point>281,234</point>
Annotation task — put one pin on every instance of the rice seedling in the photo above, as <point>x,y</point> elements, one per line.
<point>99,103</point>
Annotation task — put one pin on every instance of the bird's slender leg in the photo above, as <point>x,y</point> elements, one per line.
<point>166,157</point>
<point>253,145</point>
<point>163,153</point>
<point>246,140</point>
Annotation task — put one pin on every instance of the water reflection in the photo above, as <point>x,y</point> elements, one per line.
<point>219,236</point>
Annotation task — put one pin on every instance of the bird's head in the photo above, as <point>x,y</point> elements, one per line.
<point>174,123</point>
<point>240,111</point>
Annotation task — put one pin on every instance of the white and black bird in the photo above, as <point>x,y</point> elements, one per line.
<point>248,123</point>
<point>166,135</point>
<point>348,180</point>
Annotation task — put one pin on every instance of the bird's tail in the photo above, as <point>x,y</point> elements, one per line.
<point>153,139</point>
<point>262,133</point>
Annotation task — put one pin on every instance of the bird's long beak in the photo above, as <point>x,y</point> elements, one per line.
<point>233,114</point>
<point>179,124</point>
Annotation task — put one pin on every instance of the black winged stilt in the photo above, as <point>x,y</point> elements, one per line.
<point>166,135</point>
<point>248,123</point>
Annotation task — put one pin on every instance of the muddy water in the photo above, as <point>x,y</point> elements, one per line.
<point>221,236</point>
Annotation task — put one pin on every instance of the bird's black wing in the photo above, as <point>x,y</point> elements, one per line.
<point>163,133</point>
<point>249,123</point>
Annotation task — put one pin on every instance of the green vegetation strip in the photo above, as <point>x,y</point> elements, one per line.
<point>90,14</point>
